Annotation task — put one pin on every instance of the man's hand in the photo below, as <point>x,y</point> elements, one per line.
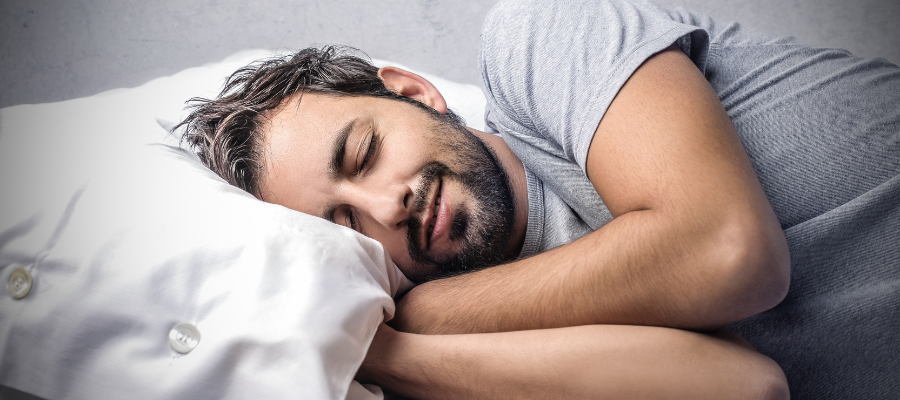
<point>694,243</point>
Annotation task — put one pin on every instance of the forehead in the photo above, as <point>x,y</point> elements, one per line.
<point>298,137</point>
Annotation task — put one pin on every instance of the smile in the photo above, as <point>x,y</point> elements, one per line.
<point>437,205</point>
<point>437,220</point>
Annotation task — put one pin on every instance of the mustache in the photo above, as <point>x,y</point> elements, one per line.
<point>430,174</point>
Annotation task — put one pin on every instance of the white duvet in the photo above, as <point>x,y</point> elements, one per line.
<point>128,239</point>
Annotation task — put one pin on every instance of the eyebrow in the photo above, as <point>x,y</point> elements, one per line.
<point>339,149</point>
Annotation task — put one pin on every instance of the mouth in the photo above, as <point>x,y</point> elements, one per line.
<point>436,217</point>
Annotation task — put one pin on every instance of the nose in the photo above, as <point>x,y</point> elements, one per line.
<point>389,205</point>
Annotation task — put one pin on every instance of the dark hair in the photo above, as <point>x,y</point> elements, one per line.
<point>224,131</point>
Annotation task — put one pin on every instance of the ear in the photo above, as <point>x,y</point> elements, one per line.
<point>413,86</point>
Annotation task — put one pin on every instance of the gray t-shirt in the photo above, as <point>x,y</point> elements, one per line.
<point>821,128</point>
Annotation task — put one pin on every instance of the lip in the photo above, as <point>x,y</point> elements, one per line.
<point>430,214</point>
<point>442,220</point>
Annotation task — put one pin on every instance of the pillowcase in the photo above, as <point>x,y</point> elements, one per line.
<point>150,277</point>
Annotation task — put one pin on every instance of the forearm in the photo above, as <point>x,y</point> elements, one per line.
<point>640,269</point>
<point>572,363</point>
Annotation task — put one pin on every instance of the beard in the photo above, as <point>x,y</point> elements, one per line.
<point>483,225</point>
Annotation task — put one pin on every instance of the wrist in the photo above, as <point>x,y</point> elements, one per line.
<point>389,355</point>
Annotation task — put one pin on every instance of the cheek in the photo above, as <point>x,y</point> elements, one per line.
<point>305,197</point>
<point>411,147</point>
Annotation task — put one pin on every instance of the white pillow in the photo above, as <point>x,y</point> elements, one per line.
<point>126,235</point>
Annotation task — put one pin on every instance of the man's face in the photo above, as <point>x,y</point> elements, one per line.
<point>426,188</point>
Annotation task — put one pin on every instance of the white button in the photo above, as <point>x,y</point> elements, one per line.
<point>184,337</point>
<point>19,283</point>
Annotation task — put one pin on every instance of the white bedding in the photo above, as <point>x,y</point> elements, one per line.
<point>127,235</point>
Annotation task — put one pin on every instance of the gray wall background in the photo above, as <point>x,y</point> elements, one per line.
<point>58,50</point>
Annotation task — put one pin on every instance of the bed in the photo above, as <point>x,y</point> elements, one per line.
<point>141,274</point>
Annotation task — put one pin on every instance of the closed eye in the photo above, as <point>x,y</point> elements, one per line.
<point>351,221</point>
<point>370,152</point>
<point>343,216</point>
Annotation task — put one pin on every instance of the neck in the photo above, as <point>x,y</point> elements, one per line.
<point>518,184</point>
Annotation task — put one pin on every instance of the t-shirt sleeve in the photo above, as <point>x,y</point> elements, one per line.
<point>550,69</point>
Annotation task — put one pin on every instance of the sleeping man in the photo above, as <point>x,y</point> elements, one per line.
<point>650,177</point>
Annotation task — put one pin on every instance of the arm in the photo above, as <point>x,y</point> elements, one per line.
<point>694,243</point>
<point>596,361</point>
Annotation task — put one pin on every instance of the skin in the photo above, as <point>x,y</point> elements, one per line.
<point>694,245</point>
<point>582,362</point>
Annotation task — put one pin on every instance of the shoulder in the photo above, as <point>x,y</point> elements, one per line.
<point>552,15</point>
<point>511,18</point>
<point>526,41</point>
<point>549,69</point>
<point>529,35</point>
